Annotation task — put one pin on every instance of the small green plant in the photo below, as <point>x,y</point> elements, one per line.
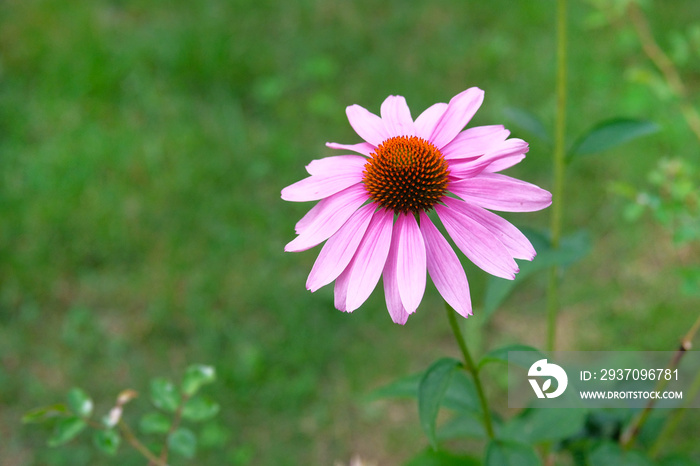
<point>174,404</point>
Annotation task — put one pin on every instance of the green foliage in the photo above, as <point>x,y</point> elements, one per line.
<point>79,402</point>
<point>69,421</point>
<point>65,430</point>
<point>431,391</point>
<point>164,395</point>
<point>528,122</point>
<point>460,395</point>
<point>674,201</point>
<point>107,441</point>
<point>143,149</point>
<point>431,457</point>
<point>183,442</point>
<point>572,248</point>
<point>536,426</point>
<point>404,387</point>
<point>501,355</point>
<point>610,453</point>
<point>154,423</point>
<point>196,376</point>
<point>464,424</point>
<point>506,453</point>
<point>45,413</point>
<point>609,134</point>
<point>200,409</point>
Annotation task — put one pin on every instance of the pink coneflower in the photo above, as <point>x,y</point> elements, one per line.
<point>373,208</point>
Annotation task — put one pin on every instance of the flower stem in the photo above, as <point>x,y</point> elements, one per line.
<point>628,437</point>
<point>177,418</point>
<point>134,442</point>
<point>471,368</point>
<point>558,187</point>
<point>675,418</point>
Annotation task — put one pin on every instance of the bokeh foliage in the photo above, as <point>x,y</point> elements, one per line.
<point>143,145</point>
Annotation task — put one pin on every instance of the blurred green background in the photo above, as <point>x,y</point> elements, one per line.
<point>143,146</point>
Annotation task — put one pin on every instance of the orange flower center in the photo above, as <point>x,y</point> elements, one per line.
<point>406,174</point>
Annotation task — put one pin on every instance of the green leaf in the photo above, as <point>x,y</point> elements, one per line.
<point>460,395</point>
<point>544,425</point>
<point>45,413</point>
<point>431,391</point>
<point>183,442</point>
<point>196,376</point>
<point>164,395</point>
<point>610,453</point>
<point>65,430</point>
<point>571,249</point>
<point>611,133</point>
<point>430,457</point>
<point>463,425</point>
<point>501,355</point>
<point>404,387</point>
<point>107,441</point>
<point>199,409</point>
<point>500,453</point>
<point>528,122</point>
<point>80,402</point>
<point>154,423</point>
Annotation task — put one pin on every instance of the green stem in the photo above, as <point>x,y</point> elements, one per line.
<point>471,368</point>
<point>173,427</point>
<point>675,419</point>
<point>134,442</point>
<point>559,165</point>
<point>630,434</point>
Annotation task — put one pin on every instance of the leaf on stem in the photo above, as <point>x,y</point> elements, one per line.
<point>571,249</point>
<point>431,392</point>
<point>463,425</point>
<point>501,355</point>
<point>183,442</point>
<point>196,376</point>
<point>502,453</point>
<point>154,423</point>
<point>460,395</point>
<point>429,457</point>
<point>65,430</point>
<point>528,122</point>
<point>404,387</point>
<point>164,395</point>
<point>107,441</point>
<point>45,413</point>
<point>199,409</point>
<point>544,425</point>
<point>611,133</point>
<point>610,453</point>
<point>80,402</point>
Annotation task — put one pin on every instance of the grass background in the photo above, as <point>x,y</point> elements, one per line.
<point>143,146</point>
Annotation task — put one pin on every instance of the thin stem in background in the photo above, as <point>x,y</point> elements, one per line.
<point>177,418</point>
<point>665,65</point>
<point>630,434</point>
<point>471,368</point>
<point>558,187</point>
<point>675,418</point>
<point>134,442</point>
